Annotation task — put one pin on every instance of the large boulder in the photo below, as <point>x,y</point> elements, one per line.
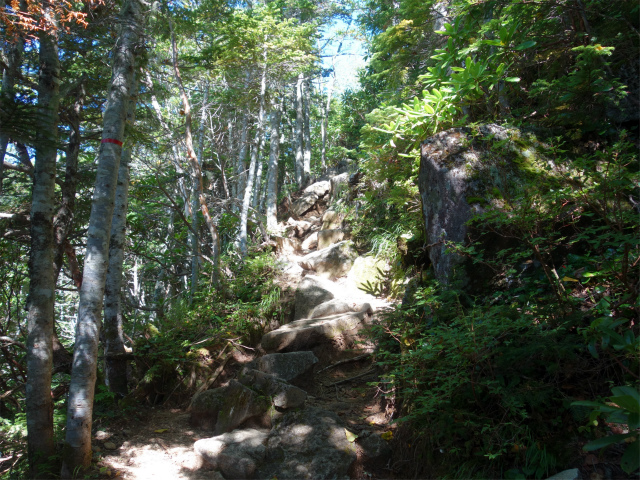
<point>311,291</point>
<point>309,444</point>
<point>332,307</point>
<point>222,409</point>
<point>310,196</point>
<point>287,246</point>
<point>368,274</point>
<point>285,366</point>
<point>339,185</point>
<point>310,242</point>
<point>307,333</point>
<point>332,220</point>
<point>331,262</point>
<point>326,238</point>
<point>236,454</point>
<point>279,392</point>
<point>460,174</point>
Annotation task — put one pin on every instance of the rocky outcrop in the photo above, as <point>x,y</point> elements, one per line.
<point>460,173</point>
<point>280,393</point>
<point>367,273</point>
<point>310,242</point>
<point>311,292</point>
<point>287,246</point>
<point>331,262</point>
<point>306,333</point>
<point>332,307</point>
<point>332,220</point>
<point>236,454</point>
<point>223,409</point>
<point>326,238</point>
<point>285,366</point>
<point>310,196</point>
<point>309,444</point>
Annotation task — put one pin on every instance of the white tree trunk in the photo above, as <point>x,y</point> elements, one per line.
<point>39,405</point>
<point>248,191</point>
<point>306,130</point>
<point>297,134</point>
<point>272,172</point>
<point>115,364</point>
<point>77,449</point>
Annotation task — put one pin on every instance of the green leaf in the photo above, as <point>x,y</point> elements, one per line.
<point>625,390</point>
<point>634,421</point>
<point>606,441</point>
<point>525,45</point>
<point>512,79</point>
<point>627,402</point>
<point>630,461</point>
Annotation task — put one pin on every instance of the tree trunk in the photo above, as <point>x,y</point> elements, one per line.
<point>13,54</point>
<point>195,166</point>
<point>39,405</point>
<point>297,134</point>
<point>272,172</point>
<point>241,174</point>
<point>306,131</point>
<point>248,191</point>
<point>115,364</point>
<point>258,181</point>
<point>77,449</point>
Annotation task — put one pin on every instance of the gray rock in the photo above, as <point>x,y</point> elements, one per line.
<point>310,196</point>
<point>225,408</point>
<point>326,238</point>
<point>287,246</point>
<point>332,220</point>
<point>332,307</point>
<point>285,366</point>
<point>110,446</point>
<point>310,242</point>
<point>306,333</point>
<point>298,228</point>
<point>456,167</point>
<point>279,392</point>
<point>311,292</point>
<point>368,273</point>
<point>572,474</point>
<point>309,444</point>
<point>235,454</point>
<point>375,447</point>
<point>339,185</point>
<point>331,262</point>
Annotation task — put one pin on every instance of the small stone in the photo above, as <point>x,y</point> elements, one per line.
<point>126,432</point>
<point>572,474</point>
<point>110,446</point>
<point>375,447</point>
<point>101,435</point>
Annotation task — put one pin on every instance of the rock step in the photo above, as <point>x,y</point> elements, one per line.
<point>309,332</point>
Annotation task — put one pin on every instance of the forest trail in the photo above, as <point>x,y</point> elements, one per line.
<point>342,387</point>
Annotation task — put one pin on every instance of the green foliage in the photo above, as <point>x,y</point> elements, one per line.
<point>622,408</point>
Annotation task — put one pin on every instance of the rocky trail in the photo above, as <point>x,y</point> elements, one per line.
<point>310,403</point>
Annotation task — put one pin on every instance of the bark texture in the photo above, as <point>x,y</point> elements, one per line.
<point>115,363</point>
<point>39,406</point>
<point>272,172</point>
<point>297,134</point>
<point>77,448</point>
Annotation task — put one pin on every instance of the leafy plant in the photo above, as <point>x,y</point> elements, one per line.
<point>623,407</point>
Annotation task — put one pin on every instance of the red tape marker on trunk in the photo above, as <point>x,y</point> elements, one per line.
<point>112,140</point>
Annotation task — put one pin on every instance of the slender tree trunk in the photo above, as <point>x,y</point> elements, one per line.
<point>77,450</point>
<point>13,55</point>
<point>272,175</point>
<point>241,174</point>
<point>115,364</point>
<point>258,181</point>
<point>306,130</point>
<point>195,166</point>
<point>195,220</point>
<point>297,134</point>
<point>39,406</point>
<point>248,191</point>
